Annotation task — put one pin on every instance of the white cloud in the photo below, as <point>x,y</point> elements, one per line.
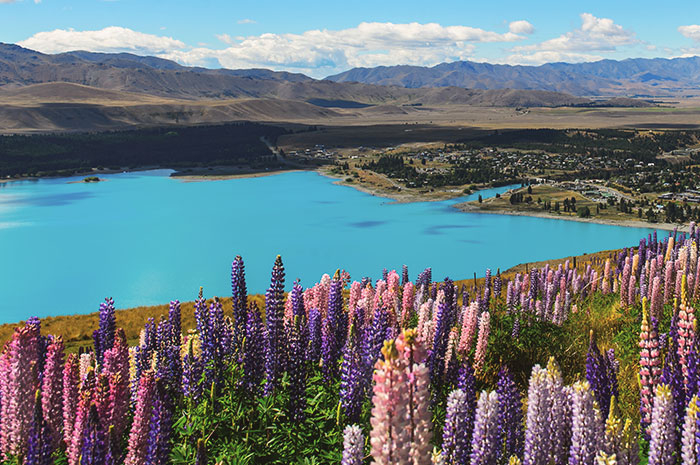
<point>691,32</point>
<point>247,21</point>
<point>596,35</point>
<point>110,39</point>
<point>521,27</point>
<point>321,52</point>
<point>7,1</point>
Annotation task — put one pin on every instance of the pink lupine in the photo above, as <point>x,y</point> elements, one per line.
<point>52,388</point>
<point>85,399</point>
<point>407,302</point>
<point>680,277</point>
<point>4,394</point>
<point>401,419</point>
<point>649,366</point>
<point>484,330</point>
<point>451,349</point>
<point>469,322</point>
<point>22,384</point>
<point>355,296</point>
<point>607,274</point>
<point>625,282</point>
<point>632,291</point>
<point>138,437</point>
<point>116,367</point>
<point>71,380</point>
<point>686,330</point>
<point>669,249</point>
<point>656,299</point>
<point>668,282</point>
<point>87,363</point>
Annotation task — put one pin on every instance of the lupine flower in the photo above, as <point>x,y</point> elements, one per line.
<point>239,302</point>
<point>297,369</point>
<point>469,323</point>
<point>41,442</point>
<point>510,415</point>
<point>138,437</point>
<point>19,387</point>
<point>352,382</point>
<point>314,326</point>
<point>400,415</point>
<point>175,320</point>
<point>116,368</point>
<point>108,326</point>
<point>331,332</point>
<point>93,449</point>
<point>456,436</point>
<point>274,334</point>
<point>587,425</point>
<point>484,330</point>
<point>597,374</point>
<point>353,445</point>
<point>192,371</point>
<point>52,388</point>
<point>689,449</point>
<point>85,401</point>
<point>662,430</point>
<point>253,351</point>
<point>71,379</point>
<point>161,424</point>
<point>649,366</point>
<point>485,440</point>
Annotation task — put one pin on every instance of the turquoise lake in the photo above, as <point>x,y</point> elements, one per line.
<point>145,238</point>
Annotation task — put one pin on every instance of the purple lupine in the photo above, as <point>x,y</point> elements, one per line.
<point>107,328</point>
<point>485,439</point>
<point>161,424</point>
<point>93,449</point>
<point>353,445</point>
<point>662,431</point>
<point>373,338</point>
<point>353,384</point>
<point>436,354</point>
<point>690,452</point>
<point>297,369</point>
<point>274,332</point>
<point>456,436</point>
<point>510,415</point>
<point>314,348</point>
<point>253,351</point>
<point>332,330</point>
<point>587,429</point>
<point>239,303</point>
<point>175,320</point>
<point>42,441</point>
<point>404,275</point>
<point>192,371</point>
<point>597,374</point>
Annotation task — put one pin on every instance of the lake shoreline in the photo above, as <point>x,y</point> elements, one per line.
<point>469,208</point>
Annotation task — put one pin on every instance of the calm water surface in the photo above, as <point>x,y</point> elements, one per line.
<point>145,238</point>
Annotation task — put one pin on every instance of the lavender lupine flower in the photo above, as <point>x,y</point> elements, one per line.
<point>352,383</point>
<point>689,448</point>
<point>239,302</point>
<point>41,442</point>
<point>94,440</point>
<point>108,326</point>
<point>297,369</point>
<point>485,441</point>
<point>436,355</point>
<point>662,431</point>
<point>71,379</point>
<point>510,415</point>
<point>588,432</point>
<point>314,326</point>
<point>52,388</point>
<point>253,351</point>
<point>456,436</point>
<point>116,368</point>
<point>547,433</point>
<point>353,445</point>
<point>138,437</point>
<point>274,333</point>
<point>404,275</point>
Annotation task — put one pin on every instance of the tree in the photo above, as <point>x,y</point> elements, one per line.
<point>480,198</point>
<point>583,212</point>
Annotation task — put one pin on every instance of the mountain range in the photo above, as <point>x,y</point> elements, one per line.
<point>639,77</point>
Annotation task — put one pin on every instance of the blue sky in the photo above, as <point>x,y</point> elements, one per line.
<point>324,37</point>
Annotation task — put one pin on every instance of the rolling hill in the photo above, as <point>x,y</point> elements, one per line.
<point>656,77</point>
